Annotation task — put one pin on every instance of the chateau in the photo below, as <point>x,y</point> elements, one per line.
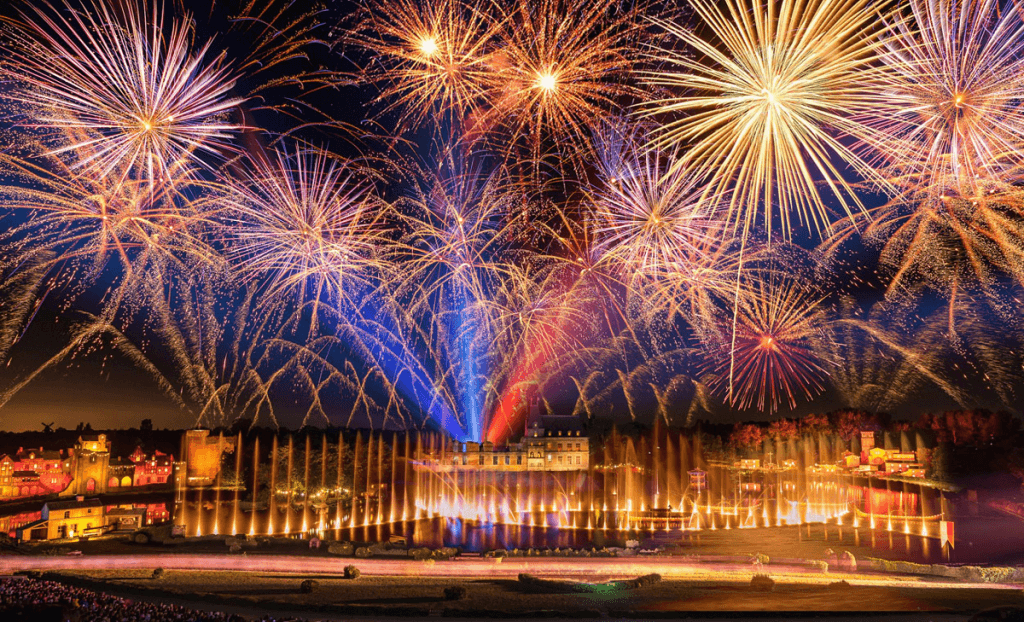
<point>549,443</point>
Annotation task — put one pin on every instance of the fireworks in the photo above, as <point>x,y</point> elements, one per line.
<point>429,57</point>
<point>650,215</point>
<point>565,67</point>
<point>128,88</point>
<point>302,222</point>
<point>595,201</point>
<point>86,221</point>
<point>772,358</point>
<point>763,99</point>
<point>946,120</point>
<point>945,127</point>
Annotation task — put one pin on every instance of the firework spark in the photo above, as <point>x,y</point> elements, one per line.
<point>764,98</point>
<point>650,214</point>
<point>303,222</point>
<point>772,359</point>
<point>428,57</point>
<point>131,89</point>
<point>946,119</point>
<point>945,126</point>
<point>563,68</point>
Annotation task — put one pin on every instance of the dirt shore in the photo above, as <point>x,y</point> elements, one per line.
<point>714,591</point>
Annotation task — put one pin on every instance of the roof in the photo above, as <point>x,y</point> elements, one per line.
<point>125,511</point>
<point>72,504</point>
<point>564,423</point>
<point>36,523</point>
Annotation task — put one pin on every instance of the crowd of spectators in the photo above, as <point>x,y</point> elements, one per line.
<point>49,601</point>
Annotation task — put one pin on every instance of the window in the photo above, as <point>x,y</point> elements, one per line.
<point>67,514</point>
<point>519,459</point>
<point>560,459</point>
<point>508,460</point>
<point>579,459</point>
<point>549,457</point>
<point>495,460</point>
<point>577,446</point>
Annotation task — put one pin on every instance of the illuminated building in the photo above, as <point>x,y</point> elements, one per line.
<point>152,470</point>
<point>203,456</point>
<point>90,461</point>
<point>70,518</point>
<point>32,472</point>
<point>548,444</point>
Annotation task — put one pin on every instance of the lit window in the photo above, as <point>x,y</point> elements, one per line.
<point>549,457</point>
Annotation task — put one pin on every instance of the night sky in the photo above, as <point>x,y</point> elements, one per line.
<point>347,97</point>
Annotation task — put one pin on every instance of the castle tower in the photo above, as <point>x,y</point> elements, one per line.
<point>90,464</point>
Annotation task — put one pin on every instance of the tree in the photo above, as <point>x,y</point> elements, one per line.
<point>746,436</point>
<point>814,424</point>
<point>783,430</point>
<point>849,423</point>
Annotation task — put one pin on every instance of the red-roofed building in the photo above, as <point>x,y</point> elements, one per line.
<point>153,470</point>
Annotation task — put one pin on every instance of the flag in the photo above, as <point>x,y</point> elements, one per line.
<point>946,532</point>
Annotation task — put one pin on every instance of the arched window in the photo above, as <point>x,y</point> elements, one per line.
<point>90,486</point>
<point>112,483</point>
<point>126,481</point>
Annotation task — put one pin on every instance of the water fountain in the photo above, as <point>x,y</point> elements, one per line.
<point>660,484</point>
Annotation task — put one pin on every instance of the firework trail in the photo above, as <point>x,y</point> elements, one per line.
<point>876,369</point>
<point>301,221</point>
<point>771,358</point>
<point>759,103</point>
<point>129,88</point>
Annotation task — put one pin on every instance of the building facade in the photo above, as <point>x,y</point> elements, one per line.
<point>90,462</point>
<point>552,443</point>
